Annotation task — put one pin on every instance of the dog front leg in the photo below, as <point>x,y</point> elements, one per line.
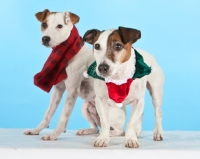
<point>131,135</point>
<point>66,112</point>
<point>158,132</point>
<point>102,109</point>
<point>54,102</point>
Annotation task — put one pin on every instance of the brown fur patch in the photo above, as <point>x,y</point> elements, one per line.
<point>91,36</point>
<point>127,54</point>
<point>42,17</point>
<point>74,18</point>
<point>43,29</point>
<point>112,54</point>
<point>129,34</point>
<point>97,36</point>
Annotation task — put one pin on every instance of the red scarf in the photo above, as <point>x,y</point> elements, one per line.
<point>53,70</point>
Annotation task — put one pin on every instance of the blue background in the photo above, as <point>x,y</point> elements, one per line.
<point>170,31</point>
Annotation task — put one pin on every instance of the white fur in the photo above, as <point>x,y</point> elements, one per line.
<point>135,98</point>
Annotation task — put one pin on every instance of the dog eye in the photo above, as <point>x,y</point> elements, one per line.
<point>118,47</point>
<point>44,25</point>
<point>97,46</point>
<point>59,26</point>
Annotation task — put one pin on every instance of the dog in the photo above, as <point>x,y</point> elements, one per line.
<point>115,60</point>
<point>56,28</point>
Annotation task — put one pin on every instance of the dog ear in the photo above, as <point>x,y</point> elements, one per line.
<point>74,18</point>
<point>71,17</point>
<point>129,35</point>
<point>41,16</point>
<point>91,36</point>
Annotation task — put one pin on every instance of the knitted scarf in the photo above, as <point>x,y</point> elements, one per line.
<point>119,89</point>
<point>53,70</point>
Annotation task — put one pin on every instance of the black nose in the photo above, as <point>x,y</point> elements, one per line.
<point>103,68</point>
<point>46,39</point>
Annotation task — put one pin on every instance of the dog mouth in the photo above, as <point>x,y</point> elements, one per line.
<point>103,75</point>
<point>46,45</point>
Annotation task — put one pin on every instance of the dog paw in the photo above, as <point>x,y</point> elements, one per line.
<point>131,143</point>
<point>32,132</point>
<point>49,137</point>
<point>87,131</point>
<point>157,136</point>
<point>101,142</point>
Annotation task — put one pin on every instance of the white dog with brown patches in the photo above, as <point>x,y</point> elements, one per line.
<point>115,61</point>
<point>56,28</point>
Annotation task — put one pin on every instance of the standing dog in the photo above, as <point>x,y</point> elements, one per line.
<point>56,28</point>
<point>115,59</point>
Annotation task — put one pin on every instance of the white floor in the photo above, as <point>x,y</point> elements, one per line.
<point>176,144</point>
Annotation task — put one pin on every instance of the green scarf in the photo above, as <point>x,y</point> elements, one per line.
<point>142,68</point>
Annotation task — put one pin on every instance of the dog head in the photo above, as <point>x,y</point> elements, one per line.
<point>56,26</point>
<point>112,48</point>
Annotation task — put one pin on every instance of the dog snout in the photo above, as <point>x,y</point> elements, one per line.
<point>46,40</point>
<point>103,68</point>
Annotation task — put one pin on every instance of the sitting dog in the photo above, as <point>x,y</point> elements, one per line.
<point>117,62</point>
<point>57,29</point>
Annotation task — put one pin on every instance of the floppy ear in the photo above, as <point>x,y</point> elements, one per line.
<point>91,36</point>
<point>129,35</point>
<point>41,16</point>
<point>74,18</point>
<point>71,17</point>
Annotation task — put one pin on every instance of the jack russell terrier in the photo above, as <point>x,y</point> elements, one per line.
<point>64,69</point>
<point>122,76</point>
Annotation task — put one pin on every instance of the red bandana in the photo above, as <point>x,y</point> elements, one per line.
<point>118,92</point>
<point>53,70</point>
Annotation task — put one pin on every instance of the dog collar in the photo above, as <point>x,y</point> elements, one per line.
<point>119,89</point>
